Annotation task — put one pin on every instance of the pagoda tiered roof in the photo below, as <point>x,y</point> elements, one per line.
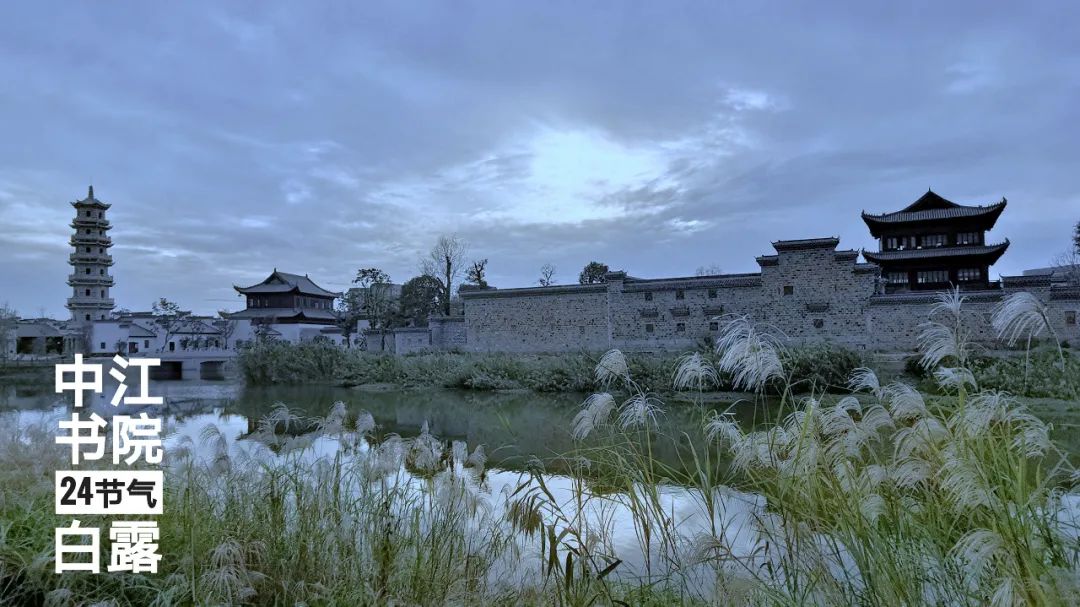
<point>284,282</point>
<point>931,207</point>
<point>988,254</point>
<point>90,201</point>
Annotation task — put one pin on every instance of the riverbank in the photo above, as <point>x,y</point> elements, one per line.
<point>895,496</point>
<point>818,368</point>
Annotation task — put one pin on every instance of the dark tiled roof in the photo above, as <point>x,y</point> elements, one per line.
<point>806,243</point>
<point>284,282</point>
<point>529,291</point>
<point>931,207</point>
<point>90,201</point>
<point>283,313</point>
<point>992,251</point>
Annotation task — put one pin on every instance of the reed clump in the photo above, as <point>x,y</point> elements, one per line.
<point>271,362</point>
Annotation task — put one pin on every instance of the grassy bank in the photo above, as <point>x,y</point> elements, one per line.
<point>892,498</point>
<point>819,367</point>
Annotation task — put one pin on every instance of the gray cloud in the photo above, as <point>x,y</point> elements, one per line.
<point>655,137</point>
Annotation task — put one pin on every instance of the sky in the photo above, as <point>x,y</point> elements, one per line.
<point>656,137</point>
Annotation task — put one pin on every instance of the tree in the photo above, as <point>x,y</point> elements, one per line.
<point>709,270</point>
<point>593,273</point>
<point>169,317</point>
<point>376,303</point>
<point>475,273</point>
<point>547,275</point>
<point>9,320</point>
<point>443,263</point>
<point>226,326</point>
<point>420,298</point>
<point>1068,263</point>
<point>348,311</point>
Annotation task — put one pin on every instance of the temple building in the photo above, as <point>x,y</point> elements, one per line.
<point>90,280</point>
<point>934,243</point>
<point>285,298</point>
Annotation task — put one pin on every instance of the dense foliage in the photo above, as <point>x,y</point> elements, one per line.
<point>270,362</point>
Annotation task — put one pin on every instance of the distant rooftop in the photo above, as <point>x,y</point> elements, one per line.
<point>284,282</point>
<point>90,201</point>
<point>932,207</point>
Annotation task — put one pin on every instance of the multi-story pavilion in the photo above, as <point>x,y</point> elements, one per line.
<point>285,298</point>
<point>934,243</point>
<point>90,261</point>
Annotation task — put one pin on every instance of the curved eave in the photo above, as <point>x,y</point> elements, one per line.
<point>986,217</point>
<point>97,204</point>
<point>985,255</point>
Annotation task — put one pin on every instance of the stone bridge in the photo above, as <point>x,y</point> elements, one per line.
<point>194,364</point>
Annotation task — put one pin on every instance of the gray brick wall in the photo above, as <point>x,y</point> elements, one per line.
<point>808,291</point>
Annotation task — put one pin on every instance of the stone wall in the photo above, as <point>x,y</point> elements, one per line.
<point>447,332</point>
<point>809,292</point>
<point>541,319</point>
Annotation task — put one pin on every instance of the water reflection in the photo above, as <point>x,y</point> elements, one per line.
<point>512,427</point>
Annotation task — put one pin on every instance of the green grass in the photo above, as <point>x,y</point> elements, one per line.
<point>822,367</point>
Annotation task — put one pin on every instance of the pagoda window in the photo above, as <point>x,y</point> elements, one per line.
<point>88,292</point>
<point>968,274</point>
<point>890,243</point>
<point>896,278</point>
<point>680,327</point>
<point>968,238</point>
<point>87,271</point>
<point>927,277</point>
<point>933,240</point>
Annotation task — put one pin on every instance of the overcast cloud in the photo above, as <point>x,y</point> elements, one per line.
<point>656,137</point>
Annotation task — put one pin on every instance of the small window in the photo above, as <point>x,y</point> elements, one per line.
<point>1070,317</point>
<point>933,240</point>
<point>88,292</point>
<point>968,274</point>
<point>146,343</point>
<point>714,326</point>
<point>103,293</point>
<point>87,249</point>
<point>87,317</point>
<point>649,328</point>
<point>648,295</point>
<point>680,327</point>
<point>712,293</point>
<point>680,294</point>
<point>789,289</point>
<point>818,323</point>
<point>968,238</point>
<point>933,277</point>
<point>87,271</point>
<point>102,346</point>
<point>101,271</point>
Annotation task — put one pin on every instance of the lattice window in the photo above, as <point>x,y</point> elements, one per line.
<point>965,274</point>
<point>933,277</point>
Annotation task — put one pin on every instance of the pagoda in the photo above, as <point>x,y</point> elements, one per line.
<point>90,280</point>
<point>935,243</point>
